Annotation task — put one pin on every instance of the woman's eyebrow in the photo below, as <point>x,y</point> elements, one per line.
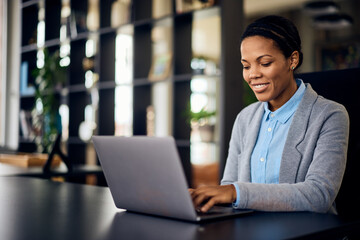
<point>258,58</point>
<point>265,55</point>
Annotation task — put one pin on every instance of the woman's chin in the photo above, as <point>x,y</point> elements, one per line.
<point>262,98</point>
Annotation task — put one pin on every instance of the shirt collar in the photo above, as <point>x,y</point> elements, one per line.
<point>287,110</point>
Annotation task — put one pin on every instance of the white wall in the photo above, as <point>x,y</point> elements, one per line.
<point>3,14</point>
<point>10,108</point>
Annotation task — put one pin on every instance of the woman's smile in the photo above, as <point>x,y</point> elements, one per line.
<point>259,87</point>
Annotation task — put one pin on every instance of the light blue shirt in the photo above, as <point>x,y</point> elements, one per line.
<point>267,153</point>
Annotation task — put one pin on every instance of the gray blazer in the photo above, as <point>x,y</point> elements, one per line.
<point>313,161</point>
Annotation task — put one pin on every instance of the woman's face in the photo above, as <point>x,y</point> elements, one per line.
<point>267,71</point>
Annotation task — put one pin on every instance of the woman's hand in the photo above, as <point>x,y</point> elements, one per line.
<point>206,197</point>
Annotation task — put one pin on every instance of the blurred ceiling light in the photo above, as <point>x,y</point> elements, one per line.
<point>321,7</point>
<point>333,21</point>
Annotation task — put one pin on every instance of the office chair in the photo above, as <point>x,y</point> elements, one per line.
<point>342,86</point>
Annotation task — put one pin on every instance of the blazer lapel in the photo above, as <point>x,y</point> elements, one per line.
<point>291,156</point>
<point>253,131</point>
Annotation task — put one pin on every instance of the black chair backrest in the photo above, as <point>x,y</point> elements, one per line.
<point>343,86</point>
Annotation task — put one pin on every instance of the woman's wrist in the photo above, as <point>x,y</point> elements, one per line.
<point>237,195</point>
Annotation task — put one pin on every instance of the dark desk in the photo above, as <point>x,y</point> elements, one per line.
<point>40,209</point>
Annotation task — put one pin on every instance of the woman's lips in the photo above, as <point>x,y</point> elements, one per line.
<point>259,87</point>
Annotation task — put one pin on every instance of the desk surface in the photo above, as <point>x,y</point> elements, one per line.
<point>10,170</point>
<point>33,208</point>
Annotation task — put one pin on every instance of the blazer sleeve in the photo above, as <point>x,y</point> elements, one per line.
<point>319,173</point>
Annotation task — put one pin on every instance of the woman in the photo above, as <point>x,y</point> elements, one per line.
<point>288,150</point>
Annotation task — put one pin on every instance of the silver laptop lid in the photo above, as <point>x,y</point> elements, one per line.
<point>145,175</point>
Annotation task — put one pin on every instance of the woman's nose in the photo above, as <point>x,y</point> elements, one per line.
<point>254,73</point>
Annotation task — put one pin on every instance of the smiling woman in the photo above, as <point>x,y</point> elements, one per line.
<point>288,150</point>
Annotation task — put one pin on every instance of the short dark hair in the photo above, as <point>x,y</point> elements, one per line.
<point>281,30</point>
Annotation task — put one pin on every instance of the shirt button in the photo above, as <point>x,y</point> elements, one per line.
<point>272,115</point>
<point>269,129</point>
<point>262,159</point>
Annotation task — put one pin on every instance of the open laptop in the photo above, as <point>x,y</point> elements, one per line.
<point>145,175</point>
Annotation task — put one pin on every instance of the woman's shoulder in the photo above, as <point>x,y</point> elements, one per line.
<point>330,111</point>
<point>247,117</point>
<point>250,110</point>
<point>250,114</point>
<point>327,105</point>
<point>322,104</point>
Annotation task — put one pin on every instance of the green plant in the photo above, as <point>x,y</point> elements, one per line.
<point>202,117</point>
<point>248,95</point>
<point>46,121</point>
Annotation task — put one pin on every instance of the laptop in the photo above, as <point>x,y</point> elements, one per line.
<point>145,175</point>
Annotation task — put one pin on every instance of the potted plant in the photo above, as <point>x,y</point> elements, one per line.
<point>201,120</point>
<point>45,117</point>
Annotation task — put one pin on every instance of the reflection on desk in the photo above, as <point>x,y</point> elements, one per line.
<point>260,225</point>
<point>32,208</point>
<point>139,226</point>
<point>40,209</point>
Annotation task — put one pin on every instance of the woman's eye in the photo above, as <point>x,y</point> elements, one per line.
<point>266,64</point>
<point>246,67</point>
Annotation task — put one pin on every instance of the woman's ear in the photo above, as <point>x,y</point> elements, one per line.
<point>294,60</point>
